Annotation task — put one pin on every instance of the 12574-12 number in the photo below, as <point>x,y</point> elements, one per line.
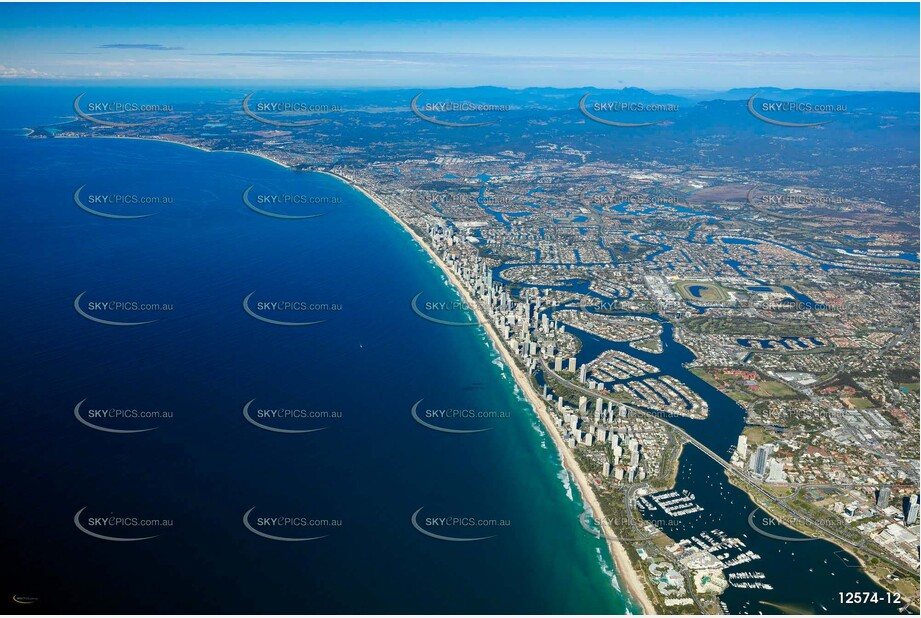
<point>862,598</point>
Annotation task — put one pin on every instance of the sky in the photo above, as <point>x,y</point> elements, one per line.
<point>658,46</point>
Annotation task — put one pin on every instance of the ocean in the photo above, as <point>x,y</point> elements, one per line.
<point>210,485</point>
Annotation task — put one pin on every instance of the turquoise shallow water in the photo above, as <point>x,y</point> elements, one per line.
<point>202,469</point>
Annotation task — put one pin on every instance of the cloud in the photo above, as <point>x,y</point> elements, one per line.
<point>146,46</point>
<point>12,72</point>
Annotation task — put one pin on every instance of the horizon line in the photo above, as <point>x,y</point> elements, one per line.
<point>188,81</point>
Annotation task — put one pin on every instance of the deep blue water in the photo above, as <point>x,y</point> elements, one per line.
<point>202,469</point>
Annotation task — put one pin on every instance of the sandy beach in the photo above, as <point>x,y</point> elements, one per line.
<point>624,568</point>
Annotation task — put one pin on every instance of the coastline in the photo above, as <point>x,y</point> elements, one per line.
<point>624,568</point>
<point>631,578</point>
<point>178,143</point>
<point>622,561</point>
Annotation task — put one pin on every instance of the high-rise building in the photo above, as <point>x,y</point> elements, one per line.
<point>572,365</point>
<point>582,374</point>
<point>558,363</point>
<point>583,403</point>
<point>760,460</point>
<point>882,501</point>
<point>912,516</point>
<point>742,447</point>
<point>775,472</point>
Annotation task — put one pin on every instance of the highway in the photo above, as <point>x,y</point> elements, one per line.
<point>726,465</point>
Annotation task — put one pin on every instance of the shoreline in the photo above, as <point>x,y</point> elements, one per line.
<point>622,562</point>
